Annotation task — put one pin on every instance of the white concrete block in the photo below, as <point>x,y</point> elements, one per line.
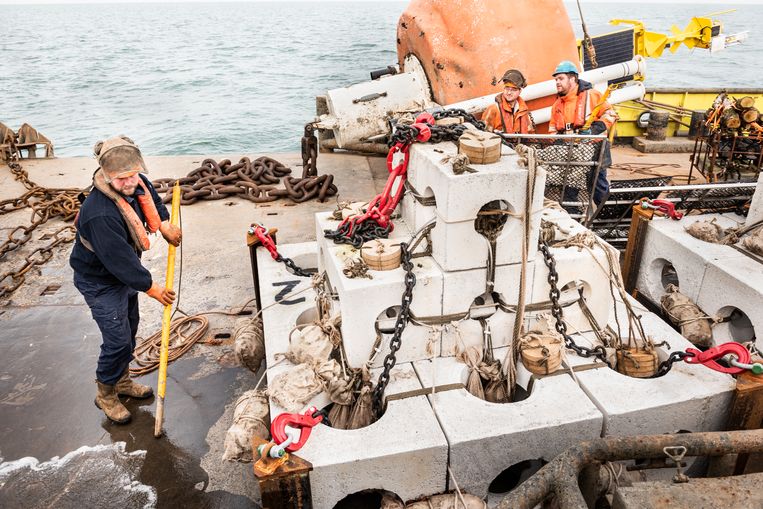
<point>755,213</point>
<point>734,283</point>
<point>362,301</point>
<point>460,291</point>
<point>667,243</point>
<point>487,438</point>
<point>588,268</point>
<point>414,213</point>
<point>460,197</point>
<point>690,397</point>
<point>404,452</point>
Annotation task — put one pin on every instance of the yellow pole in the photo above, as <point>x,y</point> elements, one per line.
<point>164,354</point>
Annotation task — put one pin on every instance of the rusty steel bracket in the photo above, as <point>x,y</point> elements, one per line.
<point>284,482</point>
<point>253,242</point>
<point>560,476</point>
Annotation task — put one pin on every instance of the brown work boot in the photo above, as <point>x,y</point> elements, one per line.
<point>108,401</point>
<point>128,387</point>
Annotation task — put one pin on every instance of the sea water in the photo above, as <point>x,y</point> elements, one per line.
<point>198,78</point>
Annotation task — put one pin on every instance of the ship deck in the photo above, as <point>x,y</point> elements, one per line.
<point>49,343</point>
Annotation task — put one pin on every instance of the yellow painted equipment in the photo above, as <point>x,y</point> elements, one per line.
<point>166,318</point>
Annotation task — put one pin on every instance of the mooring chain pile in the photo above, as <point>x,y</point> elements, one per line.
<point>45,203</point>
<point>256,181</point>
<point>375,222</point>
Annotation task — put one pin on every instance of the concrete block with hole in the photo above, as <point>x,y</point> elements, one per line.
<point>689,397</point>
<point>486,438</point>
<point>460,197</point>
<point>414,213</point>
<point>731,289</point>
<point>671,254</point>
<point>465,290</point>
<point>364,302</point>
<point>404,452</point>
<point>282,309</point>
<point>577,269</point>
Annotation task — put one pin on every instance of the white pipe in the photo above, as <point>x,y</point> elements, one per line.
<point>547,88</point>
<point>629,93</point>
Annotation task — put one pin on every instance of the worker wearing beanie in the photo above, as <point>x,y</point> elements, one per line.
<point>112,227</point>
<point>510,113</point>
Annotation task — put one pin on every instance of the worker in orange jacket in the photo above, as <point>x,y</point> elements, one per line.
<point>576,102</point>
<point>510,113</point>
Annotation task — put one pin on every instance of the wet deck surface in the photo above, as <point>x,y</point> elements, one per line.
<point>49,343</point>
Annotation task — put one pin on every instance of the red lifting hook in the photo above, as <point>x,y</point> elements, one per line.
<point>709,357</point>
<point>304,422</point>
<point>663,206</point>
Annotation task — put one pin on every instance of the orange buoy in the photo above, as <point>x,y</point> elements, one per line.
<point>465,46</point>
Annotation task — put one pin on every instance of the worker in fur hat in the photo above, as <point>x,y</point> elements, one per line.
<point>510,114</point>
<point>112,232</point>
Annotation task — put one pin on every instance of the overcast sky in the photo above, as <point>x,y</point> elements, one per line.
<point>30,2</point>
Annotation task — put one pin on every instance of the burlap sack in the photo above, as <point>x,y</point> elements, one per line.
<point>250,417</point>
<point>339,389</point>
<point>754,242</point>
<point>310,345</point>
<point>708,231</point>
<point>683,312</point>
<point>471,356</point>
<point>249,343</point>
<point>449,501</point>
<point>292,389</point>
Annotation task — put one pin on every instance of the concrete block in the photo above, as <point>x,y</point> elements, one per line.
<point>667,243</point>
<point>404,452</point>
<point>487,438</point>
<point>690,397</point>
<point>576,268</point>
<point>460,289</point>
<point>732,286</point>
<point>460,197</point>
<point>414,213</point>
<point>755,214</point>
<point>362,301</point>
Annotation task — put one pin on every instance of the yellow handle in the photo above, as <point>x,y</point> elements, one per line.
<point>164,353</point>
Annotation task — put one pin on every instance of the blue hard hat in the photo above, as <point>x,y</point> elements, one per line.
<point>565,66</point>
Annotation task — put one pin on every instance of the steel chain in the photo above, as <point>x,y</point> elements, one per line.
<point>38,257</point>
<point>667,364</point>
<point>402,320</point>
<point>556,310</point>
<point>255,181</point>
<point>363,232</point>
<point>296,269</point>
<point>309,152</point>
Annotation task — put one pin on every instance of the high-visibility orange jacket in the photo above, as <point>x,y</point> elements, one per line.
<point>572,110</point>
<point>500,116</point>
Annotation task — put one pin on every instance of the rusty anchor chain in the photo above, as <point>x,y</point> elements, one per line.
<point>309,152</point>
<point>45,203</point>
<point>255,181</point>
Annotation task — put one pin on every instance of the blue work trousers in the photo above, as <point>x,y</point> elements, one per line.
<point>115,310</point>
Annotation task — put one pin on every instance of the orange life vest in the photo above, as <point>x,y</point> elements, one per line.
<point>134,224</point>
<point>511,120</point>
<point>582,108</point>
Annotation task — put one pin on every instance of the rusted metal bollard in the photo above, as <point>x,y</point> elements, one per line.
<point>284,482</point>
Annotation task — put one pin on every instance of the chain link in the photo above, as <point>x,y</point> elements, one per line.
<point>400,323</point>
<point>296,269</point>
<point>309,152</point>
<point>556,310</point>
<point>252,180</point>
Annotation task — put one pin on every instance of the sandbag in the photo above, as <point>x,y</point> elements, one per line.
<point>250,418</point>
<point>311,345</point>
<point>695,326</point>
<point>449,501</point>
<point>471,356</point>
<point>708,231</point>
<point>339,389</point>
<point>754,242</point>
<point>362,412</point>
<point>496,386</point>
<point>292,389</point>
<point>249,343</point>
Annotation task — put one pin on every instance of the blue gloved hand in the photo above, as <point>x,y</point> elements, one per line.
<point>584,132</point>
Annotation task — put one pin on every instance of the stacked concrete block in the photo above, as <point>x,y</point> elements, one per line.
<point>689,397</point>
<point>456,243</point>
<point>362,301</point>
<point>667,243</point>
<point>732,284</point>
<point>755,214</point>
<point>404,452</point>
<point>487,438</point>
<point>576,267</point>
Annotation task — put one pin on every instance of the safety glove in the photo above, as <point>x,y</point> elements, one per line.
<point>598,127</point>
<point>163,295</point>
